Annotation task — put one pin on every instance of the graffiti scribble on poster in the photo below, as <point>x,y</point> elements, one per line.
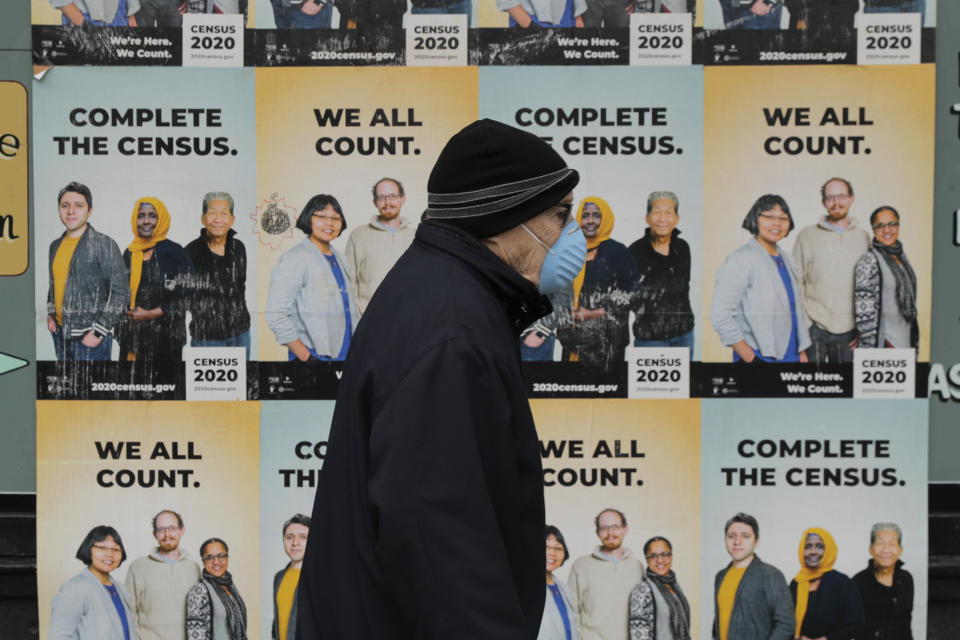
<point>273,221</point>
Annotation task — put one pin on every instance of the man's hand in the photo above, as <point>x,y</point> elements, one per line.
<point>802,357</point>
<point>533,340</point>
<point>51,324</point>
<point>855,342</point>
<point>801,24</point>
<point>310,8</point>
<point>578,22</point>
<point>760,8</point>
<point>182,9</point>
<point>91,340</point>
<point>132,21</point>
<point>630,8</point>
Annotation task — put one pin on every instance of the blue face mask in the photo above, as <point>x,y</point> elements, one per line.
<point>564,259</point>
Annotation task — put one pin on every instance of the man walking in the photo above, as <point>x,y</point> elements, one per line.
<point>428,518</point>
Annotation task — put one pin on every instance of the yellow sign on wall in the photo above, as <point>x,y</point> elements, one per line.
<point>14,241</point>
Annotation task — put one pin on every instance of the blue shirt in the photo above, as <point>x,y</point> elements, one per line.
<point>561,607</point>
<point>118,604</point>
<point>792,354</point>
<point>566,20</point>
<point>345,297</point>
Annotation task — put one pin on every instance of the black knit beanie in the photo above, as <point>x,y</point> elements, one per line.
<point>491,177</point>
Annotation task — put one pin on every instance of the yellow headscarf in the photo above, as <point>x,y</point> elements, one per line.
<point>806,576</point>
<point>603,233</point>
<point>139,245</point>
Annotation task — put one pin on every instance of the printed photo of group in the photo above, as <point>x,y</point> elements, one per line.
<point>369,15</point>
<point>129,13</point>
<point>550,14</point>
<point>816,17</point>
<point>143,222</point>
<point>835,258</point>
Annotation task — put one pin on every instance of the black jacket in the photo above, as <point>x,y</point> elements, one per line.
<point>218,310</point>
<point>428,519</point>
<point>834,610</point>
<point>162,338</point>
<point>888,609</point>
<point>663,302</point>
<point>611,281</point>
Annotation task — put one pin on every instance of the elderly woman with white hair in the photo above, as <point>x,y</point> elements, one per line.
<point>218,309</point>
<point>663,316</point>
<point>885,587</point>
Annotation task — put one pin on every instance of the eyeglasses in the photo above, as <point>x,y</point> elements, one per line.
<point>657,556</point>
<point>215,556</point>
<point>836,197</point>
<point>610,527</point>
<point>886,225</point>
<point>326,218</point>
<point>783,219</point>
<point>163,530</point>
<point>388,196</point>
<point>108,549</point>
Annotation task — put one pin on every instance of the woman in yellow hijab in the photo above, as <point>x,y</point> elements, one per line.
<point>160,282</point>
<point>603,293</point>
<point>827,603</point>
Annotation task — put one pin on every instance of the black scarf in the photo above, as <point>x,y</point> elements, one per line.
<point>906,279</point>
<point>679,607</point>
<point>232,602</point>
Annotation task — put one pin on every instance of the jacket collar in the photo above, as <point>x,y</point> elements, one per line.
<point>155,555</point>
<point>524,303</point>
<point>648,241</point>
<point>379,226</point>
<point>852,223</point>
<point>600,555</point>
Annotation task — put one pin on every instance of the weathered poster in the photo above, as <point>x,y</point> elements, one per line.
<point>137,497</point>
<point>142,33</point>
<point>293,445</point>
<point>800,32</point>
<point>341,182</point>
<point>818,184</point>
<point>824,497</point>
<point>143,234</point>
<point>639,203</point>
<point>622,491</point>
<point>587,33</point>
<point>364,32</point>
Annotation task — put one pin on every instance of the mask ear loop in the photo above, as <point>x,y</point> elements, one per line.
<point>539,241</point>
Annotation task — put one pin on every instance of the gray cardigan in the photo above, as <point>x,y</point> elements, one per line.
<point>762,607</point>
<point>292,623</point>
<point>97,291</point>
<point>83,610</point>
<point>304,301</point>
<point>750,303</point>
<point>551,625</point>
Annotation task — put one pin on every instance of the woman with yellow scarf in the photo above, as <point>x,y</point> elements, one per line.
<point>603,293</point>
<point>827,603</point>
<point>161,276</point>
